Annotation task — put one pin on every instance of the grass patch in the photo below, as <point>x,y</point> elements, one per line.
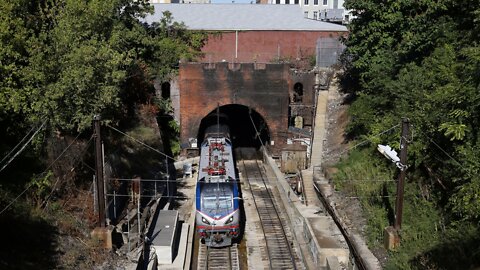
<point>428,239</point>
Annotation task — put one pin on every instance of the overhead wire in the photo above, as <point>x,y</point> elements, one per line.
<point>18,144</point>
<point>360,143</point>
<point>257,134</point>
<point>240,182</point>
<point>31,183</point>
<point>22,148</point>
<point>58,178</point>
<point>441,149</point>
<point>142,143</point>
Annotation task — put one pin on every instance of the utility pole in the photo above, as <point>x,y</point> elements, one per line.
<point>401,177</point>
<point>99,171</point>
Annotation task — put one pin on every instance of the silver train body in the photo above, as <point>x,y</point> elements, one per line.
<point>217,217</point>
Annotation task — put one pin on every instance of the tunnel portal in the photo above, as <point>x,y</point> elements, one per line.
<point>248,129</point>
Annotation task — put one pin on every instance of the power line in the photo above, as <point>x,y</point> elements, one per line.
<point>31,183</point>
<point>434,143</point>
<point>18,144</point>
<point>378,196</point>
<point>363,180</point>
<point>151,196</point>
<point>21,149</point>
<point>441,149</point>
<point>58,179</point>
<point>361,143</point>
<point>142,143</point>
<point>257,134</point>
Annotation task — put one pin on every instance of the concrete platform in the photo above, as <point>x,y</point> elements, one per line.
<point>180,261</point>
<point>321,240</point>
<point>163,237</point>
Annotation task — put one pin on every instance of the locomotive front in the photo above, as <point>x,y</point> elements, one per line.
<point>218,215</point>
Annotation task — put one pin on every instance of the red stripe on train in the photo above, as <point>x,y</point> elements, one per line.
<point>210,227</point>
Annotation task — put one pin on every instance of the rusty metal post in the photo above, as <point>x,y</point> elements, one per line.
<point>99,172</point>
<point>401,177</point>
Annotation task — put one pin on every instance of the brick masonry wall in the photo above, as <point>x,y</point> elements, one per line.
<point>262,46</point>
<point>264,88</point>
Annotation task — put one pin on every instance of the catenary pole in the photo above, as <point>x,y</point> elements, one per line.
<point>401,177</point>
<point>99,172</point>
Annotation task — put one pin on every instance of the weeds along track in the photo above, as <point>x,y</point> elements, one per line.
<point>280,253</point>
<point>218,258</point>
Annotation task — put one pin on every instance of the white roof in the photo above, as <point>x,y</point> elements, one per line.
<point>224,17</point>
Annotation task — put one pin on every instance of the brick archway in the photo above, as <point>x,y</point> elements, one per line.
<point>264,89</point>
<point>248,128</point>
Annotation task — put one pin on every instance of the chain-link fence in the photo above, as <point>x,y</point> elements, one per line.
<point>328,51</point>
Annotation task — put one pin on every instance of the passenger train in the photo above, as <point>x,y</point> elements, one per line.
<point>217,215</point>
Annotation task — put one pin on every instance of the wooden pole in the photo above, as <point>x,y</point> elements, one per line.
<point>401,177</point>
<point>99,172</point>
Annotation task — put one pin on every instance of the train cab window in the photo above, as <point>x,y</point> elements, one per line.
<point>209,202</point>
<point>225,202</point>
<point>222,202</point>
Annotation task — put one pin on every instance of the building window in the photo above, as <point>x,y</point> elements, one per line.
<point>297,92</point>
<point>287,2</point>
<point>305,14</point>
<point>296,2</point>
<point>165,90</point>
<point>325,2</point>
<point>315,2</point>
<point>306,2</point>
<point>277,1</point>
<point>315,14</point>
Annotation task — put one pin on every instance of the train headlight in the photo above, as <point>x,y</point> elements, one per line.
<point>204,220</point>
<point>229,220</point>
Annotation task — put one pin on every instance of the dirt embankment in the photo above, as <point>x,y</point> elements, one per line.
<point>337,146</point>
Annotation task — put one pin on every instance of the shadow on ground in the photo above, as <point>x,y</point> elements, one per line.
<point>27,243</point>
<point>457,254</point>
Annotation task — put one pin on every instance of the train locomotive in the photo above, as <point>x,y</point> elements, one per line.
<point>217,216</point>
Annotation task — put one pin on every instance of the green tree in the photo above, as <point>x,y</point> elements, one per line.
<point>421,60</point>
<point>66,60</point>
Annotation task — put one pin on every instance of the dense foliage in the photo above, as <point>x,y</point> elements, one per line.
<point>421,60</point>
<point>66,60</point>
<point>62,62</point>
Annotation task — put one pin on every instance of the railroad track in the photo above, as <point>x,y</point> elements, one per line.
<point>218,258</point>
<point>277,241</point>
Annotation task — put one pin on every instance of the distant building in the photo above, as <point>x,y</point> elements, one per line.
<point>324,10</point>
<point>179,1</point>
<point>252,33</point>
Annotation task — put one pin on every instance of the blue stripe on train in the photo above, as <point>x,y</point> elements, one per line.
<point>197,198</point>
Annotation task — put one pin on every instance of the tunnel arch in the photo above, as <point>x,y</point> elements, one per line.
<point>244,123</point>
<point>298,92</point>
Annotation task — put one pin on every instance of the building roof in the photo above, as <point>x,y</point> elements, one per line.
<point>225,17</point>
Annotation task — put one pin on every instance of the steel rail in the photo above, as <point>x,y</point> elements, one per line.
<point>268,201</point>
<point>290,251</point>
<point>218,258</point>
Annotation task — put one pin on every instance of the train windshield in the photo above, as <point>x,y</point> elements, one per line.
<point>217,198</point>
<point>220,202</point>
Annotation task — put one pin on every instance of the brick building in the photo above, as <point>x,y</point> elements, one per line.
<point>249,63</point>
<point>252,33</point>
